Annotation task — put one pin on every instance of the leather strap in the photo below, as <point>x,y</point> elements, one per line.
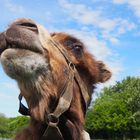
<point>45,39</point>
<point>82,87</point>
<point>65,100</point>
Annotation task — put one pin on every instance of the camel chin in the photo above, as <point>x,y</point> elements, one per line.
<point>23,64</point>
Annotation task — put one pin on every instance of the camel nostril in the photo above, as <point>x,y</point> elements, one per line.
<point>28,24</point>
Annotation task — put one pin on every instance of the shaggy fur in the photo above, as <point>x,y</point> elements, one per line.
<point>41,73</point>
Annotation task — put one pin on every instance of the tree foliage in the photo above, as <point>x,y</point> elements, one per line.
<point>4,126</point>
<point>10,126</point>
<point>116,113</point>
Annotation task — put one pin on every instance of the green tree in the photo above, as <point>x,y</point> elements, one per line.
<point>16,124</point>
<point>116,113</point>
<point>4,126</point>
<point>10,126</point>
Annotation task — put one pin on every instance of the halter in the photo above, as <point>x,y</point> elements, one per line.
<point>52,131</point>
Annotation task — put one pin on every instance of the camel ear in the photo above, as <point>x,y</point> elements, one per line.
<point>104,73</point>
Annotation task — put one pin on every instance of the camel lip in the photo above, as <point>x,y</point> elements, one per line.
<point>12,46</point>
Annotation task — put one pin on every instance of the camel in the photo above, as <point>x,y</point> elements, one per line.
<point>55,74</point>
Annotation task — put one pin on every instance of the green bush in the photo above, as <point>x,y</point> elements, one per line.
<point>10,126</point>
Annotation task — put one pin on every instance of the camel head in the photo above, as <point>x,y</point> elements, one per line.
<point>34,58</point>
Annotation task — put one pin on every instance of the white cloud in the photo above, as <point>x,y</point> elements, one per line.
<point>4,96</point>
<point>122,26</point>
<point>109,27</point>
<point>114,40</point>
<point>10,85</point>
<point>125,25</point>
<point>119,1</point>
<point>9,104</point>
<point>85,15</point>
<point>15,8</point>
<point>134,5</point>
<point>9,98</point>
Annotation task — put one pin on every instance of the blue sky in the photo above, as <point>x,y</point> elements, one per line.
<point>110,30</point>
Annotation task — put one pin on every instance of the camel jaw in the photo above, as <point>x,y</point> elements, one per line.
<point>23,64</point>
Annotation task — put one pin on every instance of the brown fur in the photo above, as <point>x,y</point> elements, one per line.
<point>42,90</point>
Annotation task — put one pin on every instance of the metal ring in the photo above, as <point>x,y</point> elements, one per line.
<point>52,120</point>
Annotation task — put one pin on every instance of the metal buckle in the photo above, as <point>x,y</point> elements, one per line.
<point>52,120</point>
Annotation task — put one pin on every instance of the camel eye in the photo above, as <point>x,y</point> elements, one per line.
<point>77,47</point>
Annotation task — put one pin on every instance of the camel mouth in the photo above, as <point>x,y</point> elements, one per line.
<point>34,48</point>
<point>20,47</point>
